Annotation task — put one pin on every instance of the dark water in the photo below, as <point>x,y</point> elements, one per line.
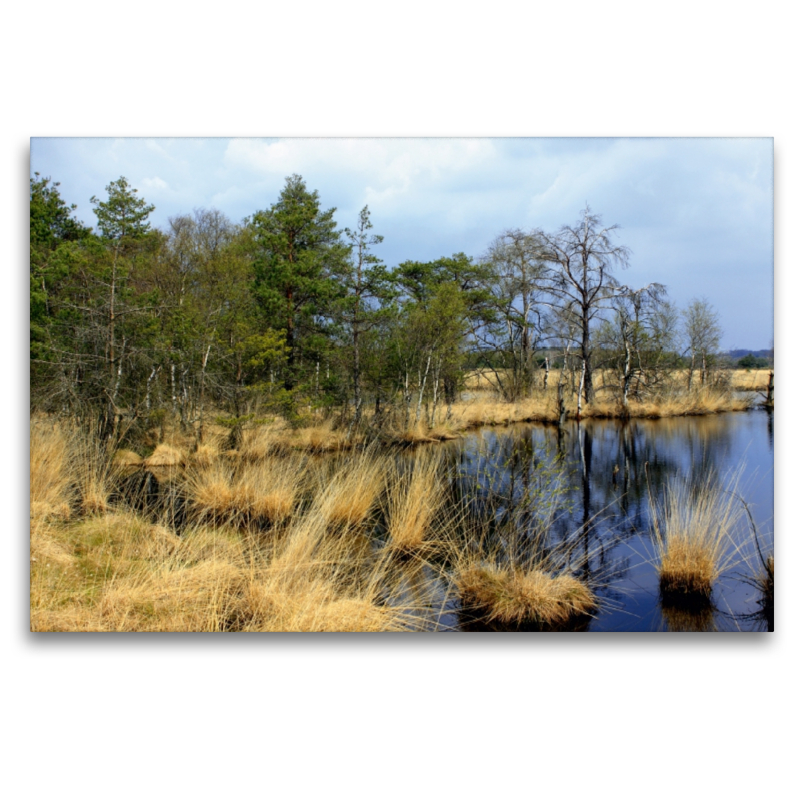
<point>601,471</point>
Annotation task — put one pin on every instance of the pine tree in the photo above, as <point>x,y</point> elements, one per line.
<point>299,255</point>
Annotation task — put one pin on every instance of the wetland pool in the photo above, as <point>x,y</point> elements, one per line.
<point>607,475</point>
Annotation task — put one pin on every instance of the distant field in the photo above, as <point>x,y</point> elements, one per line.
<point>755,379</point>
<point>741,379</point>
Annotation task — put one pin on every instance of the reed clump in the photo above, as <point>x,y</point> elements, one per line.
<point>165,455</point>
<point>312,581</point>
<point>351,493</point>
<point>694,536</point>
<point>205,454</point>
<point>264,492</point>
<point>414,498</point>
<point>516,597</point>
<point>124,459</point>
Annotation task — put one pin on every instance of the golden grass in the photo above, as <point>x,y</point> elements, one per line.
<point>694,536</point>
<point>319,438</point>
<point>205,455</point>
<point>117,571</point>
<point>414,498</point>
<point>512,596</point>
<point>260,443</point>
<point>487,409</point>
<point>93,474</point>
<point>252,492</point>
<point>750,380</point>
<point>52,489</point>
<point>351,493</point>
<point>165,455</point>
<point>120,573</point>
<point>672,404</point>
<point>127,458</point>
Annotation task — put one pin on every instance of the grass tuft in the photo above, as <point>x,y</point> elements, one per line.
<point>414,498</point>
<point>515,597</point>
<point>165,455</point>
<point>694,536</point>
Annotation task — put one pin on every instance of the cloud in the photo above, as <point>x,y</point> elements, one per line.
<point>155,184</point>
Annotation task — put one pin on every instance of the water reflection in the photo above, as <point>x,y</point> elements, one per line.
<point>602,474</point>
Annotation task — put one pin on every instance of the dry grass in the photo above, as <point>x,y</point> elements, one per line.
<point>488,409</point>
<point>94,473</point>
<point>260,443</point>
<point>677,403</point>
<point>414,498</point>
<point>515,597</point>
<point>117,571</point>
<point>124,459</point>
<point>694,535</point>
<point>352,489</point>
<point>265,492</point>
<point>205,455</point>
<point>52,488</point>
<point>120,573</point>
<point>165,455</point>
<point>320,438</point>
<point>755,380</point>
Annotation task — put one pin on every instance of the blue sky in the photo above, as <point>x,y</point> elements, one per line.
<point>697,213</point>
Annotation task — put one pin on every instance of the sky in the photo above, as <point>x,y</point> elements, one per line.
<point>697,213</point>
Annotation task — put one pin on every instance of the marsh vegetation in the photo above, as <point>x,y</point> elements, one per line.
<point>589,527</point>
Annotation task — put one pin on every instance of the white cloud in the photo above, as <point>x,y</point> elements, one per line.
<point>155,184</point>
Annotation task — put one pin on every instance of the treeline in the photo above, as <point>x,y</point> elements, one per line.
<point>285,313</point>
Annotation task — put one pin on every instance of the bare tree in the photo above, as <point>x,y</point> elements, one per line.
<point>638,340</point>
<point>703,332</point>
<point>583,258</point>
<point>512,324</point>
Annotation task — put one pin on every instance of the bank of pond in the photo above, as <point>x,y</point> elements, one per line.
<point>596,525</point>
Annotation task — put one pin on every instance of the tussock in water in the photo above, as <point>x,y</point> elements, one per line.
<point>694,536</point>
<point>514,598</point>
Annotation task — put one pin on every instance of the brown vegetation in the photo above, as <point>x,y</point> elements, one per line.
<point>118,572</point>
<point>695,540</point>
<point>517,597</point>
<point>244,493</point>
<point>415,496</point>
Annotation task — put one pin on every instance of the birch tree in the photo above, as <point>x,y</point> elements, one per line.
<point>702,332</point>
<point>583,258</point>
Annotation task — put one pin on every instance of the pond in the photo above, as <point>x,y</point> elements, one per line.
<point>606,475</point>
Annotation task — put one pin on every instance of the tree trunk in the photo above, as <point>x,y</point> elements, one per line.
<point>423,381</point>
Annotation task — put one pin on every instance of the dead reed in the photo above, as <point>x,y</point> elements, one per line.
<point>264,492</point>
<point>350,489</point>
<point>515,597</point>
<point>694,531</point>
<point>414,497</point>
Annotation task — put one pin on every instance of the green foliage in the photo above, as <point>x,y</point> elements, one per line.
<point>298,255</point>
<point>53,229</point>
<point>122,215</point>
<point>752,362</point>
<point>418,280</point>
